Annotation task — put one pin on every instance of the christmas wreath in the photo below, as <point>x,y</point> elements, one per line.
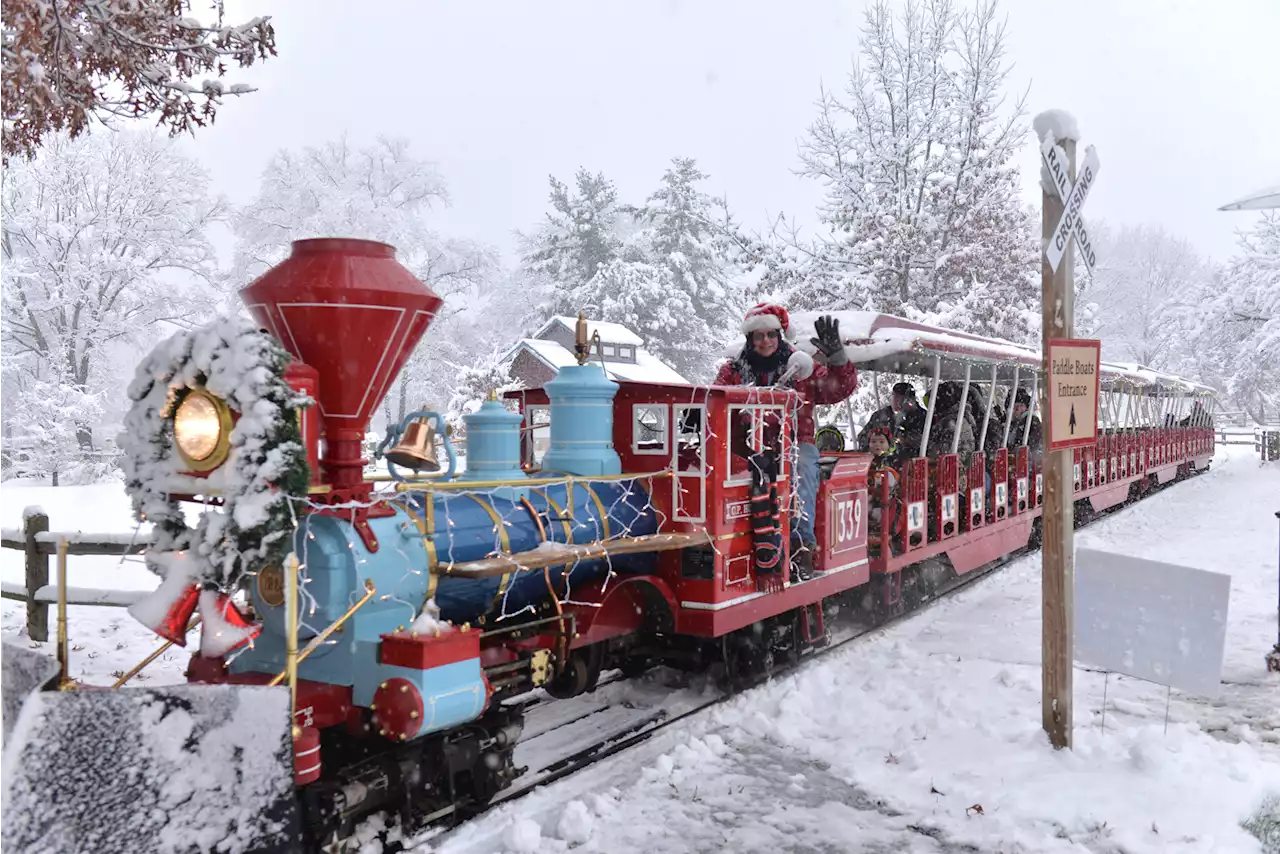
<point>243,367</point>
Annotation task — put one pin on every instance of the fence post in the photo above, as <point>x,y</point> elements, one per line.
<point>35,521</point>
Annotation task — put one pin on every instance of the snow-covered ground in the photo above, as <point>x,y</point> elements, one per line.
<point>927,737</point>
<point>922,738</point>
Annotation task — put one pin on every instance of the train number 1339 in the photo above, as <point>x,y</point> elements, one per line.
<point>849,520</point>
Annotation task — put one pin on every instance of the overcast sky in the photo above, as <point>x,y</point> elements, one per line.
<point>1180,97</point>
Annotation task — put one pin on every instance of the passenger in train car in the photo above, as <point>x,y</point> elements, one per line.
<point>1021,404</point>
<point>947,419</point>
<point>765,360</point>
<point>1198,417</point>
<point>910,432</point>
<point>990,442</point>
<point>887,416</point>
<point>883,471</point>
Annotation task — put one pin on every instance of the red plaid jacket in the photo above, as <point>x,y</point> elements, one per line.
<point>824,387</point>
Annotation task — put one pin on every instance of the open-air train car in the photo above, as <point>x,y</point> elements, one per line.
<point>1153,427</point>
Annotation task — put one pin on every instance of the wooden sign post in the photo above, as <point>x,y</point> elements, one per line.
<point>1063,225</point>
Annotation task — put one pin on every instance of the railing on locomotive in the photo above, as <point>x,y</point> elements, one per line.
<point>718,404</point>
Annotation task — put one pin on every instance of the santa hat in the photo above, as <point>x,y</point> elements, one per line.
<point>768,316</point>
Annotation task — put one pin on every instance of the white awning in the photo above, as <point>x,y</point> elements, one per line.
<point>1262,200</point>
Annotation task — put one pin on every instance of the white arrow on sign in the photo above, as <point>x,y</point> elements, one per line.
<point>1072,223</point>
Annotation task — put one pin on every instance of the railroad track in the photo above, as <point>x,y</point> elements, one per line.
<point>590,735</point>
<point>564,737</point>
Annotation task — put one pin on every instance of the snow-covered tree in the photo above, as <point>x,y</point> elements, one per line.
<point>665,269</point>
<point>779,265</point>
<point>1146,285</point>
<point>380,192</point>
<point>918,161</point>
<point>1239,318</point>
<point>579,236</point>
<point>690,234</point>
<point>45,443</point>
<point>69,62</point>
<point>648,300</point>
<point>472,385</point>
<point>102,236</point>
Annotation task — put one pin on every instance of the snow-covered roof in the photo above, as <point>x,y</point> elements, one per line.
<point>610,333</point>
<point>1261,200</point>
<point>648,368</point>
<point>883,342</point>
<point>1142,375</point>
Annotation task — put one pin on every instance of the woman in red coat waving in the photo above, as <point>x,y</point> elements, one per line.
<point>769,356</point>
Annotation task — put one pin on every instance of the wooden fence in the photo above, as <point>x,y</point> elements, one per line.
<point>1240,418</point>
<point>1235,436</point>
<point>38,543</point>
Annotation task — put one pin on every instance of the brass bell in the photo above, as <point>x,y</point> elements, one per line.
<point>416,450</point>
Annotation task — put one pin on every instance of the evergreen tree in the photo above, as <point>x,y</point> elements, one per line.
<point>647,299</point>
<point>688,233</point>
<point>663,269</point>
<point>580,235</point>
<point>687,238</point>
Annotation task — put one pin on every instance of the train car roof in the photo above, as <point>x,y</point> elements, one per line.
<point>892,344</point>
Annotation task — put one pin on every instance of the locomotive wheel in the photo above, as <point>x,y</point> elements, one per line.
<point>572,679</point>
<point>579,675</point>
<point>748,657</point>
<point>635,665</point>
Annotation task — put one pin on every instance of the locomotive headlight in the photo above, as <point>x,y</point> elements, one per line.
<point>202,430</point>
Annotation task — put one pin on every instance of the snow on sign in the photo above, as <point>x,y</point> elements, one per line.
<point>1073,392</point>
<point>1156,621</point>
<point>1070,224</point>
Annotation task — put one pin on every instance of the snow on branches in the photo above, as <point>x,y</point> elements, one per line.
<point>919,160</point>
<point>472,386</point>
<point>385,192</point>
<point>267,464</point>
<point>665,268</point>
<point>104,237</point>
<point>1239,320</point>
<point>70,62</point>
<point>1147,294</point>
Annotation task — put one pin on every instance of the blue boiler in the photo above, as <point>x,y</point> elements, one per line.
<point>471,527</point>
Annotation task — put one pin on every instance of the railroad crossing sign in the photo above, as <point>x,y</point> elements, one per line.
<point>1073,392</point>
<point>1073,197</point>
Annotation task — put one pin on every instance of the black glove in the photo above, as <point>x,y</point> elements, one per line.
<point>828,340</point>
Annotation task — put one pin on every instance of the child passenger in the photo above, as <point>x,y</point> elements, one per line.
<point>882,473</point>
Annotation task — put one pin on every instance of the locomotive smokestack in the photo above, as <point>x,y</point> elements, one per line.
<point>351,311</point>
